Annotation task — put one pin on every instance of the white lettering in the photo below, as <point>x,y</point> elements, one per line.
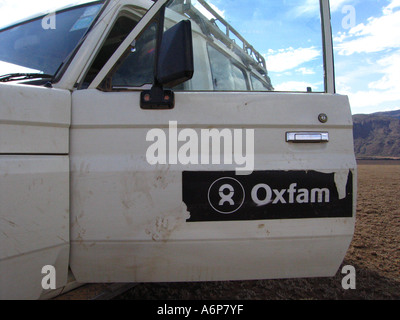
<point>279,196</point>
<point>248,158</point>
<point>268,195</point>
<point>173,143</point>
<point>189,153</point>
<point>166,310</point>
<point>290,195</point>
<point>157,152</point>
<point>49,280</point>
<point>216,136</point>
<point>349,281</point>
<point>320,193</point>
<point>49,21</point>
<point>291,192</point>
<point>349,21</point>
<point>303,196</point>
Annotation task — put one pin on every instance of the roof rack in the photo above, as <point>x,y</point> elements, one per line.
<point>247,47</point>
<point>247,53</point>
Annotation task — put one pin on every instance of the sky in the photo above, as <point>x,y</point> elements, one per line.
<point>287,33</point>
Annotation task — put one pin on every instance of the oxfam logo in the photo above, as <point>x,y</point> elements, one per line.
<point>226,195</point>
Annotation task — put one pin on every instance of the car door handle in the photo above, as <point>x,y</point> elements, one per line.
<point>307,137</point>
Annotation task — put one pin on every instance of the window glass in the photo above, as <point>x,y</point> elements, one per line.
<point>33,46</point>
<point>257,84</point>
<point>279,41</point>
<point>118,33</point>
<point>138,68</point>
<point>239,78</point>
<point>277,45</point>
<point>225,75</point>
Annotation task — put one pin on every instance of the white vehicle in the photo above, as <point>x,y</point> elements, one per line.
<point>140,143</point>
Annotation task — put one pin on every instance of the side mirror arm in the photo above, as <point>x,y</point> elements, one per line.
<point>157,98</point>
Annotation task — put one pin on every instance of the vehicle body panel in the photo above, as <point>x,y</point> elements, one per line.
<point>127,213</point>
<point>34,187</point>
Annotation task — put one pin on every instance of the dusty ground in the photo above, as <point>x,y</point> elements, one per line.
<point>374,252</point>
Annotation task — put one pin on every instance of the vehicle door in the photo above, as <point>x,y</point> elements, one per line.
<point>244,171</point>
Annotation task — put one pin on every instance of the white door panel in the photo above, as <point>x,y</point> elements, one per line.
<point>127,214</point>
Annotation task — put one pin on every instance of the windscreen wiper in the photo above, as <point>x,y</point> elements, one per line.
<point>24,76</point>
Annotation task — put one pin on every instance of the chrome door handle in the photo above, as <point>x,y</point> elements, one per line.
<point>307,137</point>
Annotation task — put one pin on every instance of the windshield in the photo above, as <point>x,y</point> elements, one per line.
<point>41,45</point>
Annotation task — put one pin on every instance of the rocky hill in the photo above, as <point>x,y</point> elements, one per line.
<point>377,135</point>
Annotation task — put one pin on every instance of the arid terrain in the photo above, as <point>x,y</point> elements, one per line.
<point>374,252</point>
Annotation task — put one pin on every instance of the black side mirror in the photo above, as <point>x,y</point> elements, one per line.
<point>175,62</point>
<point>174,65</point>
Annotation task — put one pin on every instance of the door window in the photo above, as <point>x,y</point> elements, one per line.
<point>122,27</point>
<point>239,46</point>
<point>225,75</point>
<point>138,68</point>
<point>258,85</point>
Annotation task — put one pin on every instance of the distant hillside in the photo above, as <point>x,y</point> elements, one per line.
<point>377,135</point>
<point>392,114</point>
